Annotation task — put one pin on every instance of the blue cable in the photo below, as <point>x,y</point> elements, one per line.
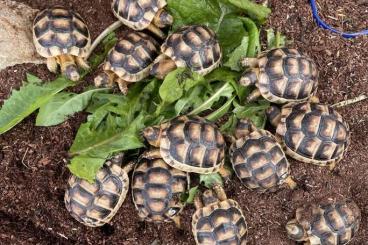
<point>324,25</point>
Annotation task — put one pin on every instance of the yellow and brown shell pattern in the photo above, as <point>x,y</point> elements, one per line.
<point>132,57</point>
<point>259,161</point>
<point>285,75</point>
<point>192,144</point>
<point>313,132</point>
<point>156,190</point>
<point>137,14</point>
<point>331,223</point>
<point>58,31</point>
<point>95,204</point>
<point>220,223</point>
<point>195,47</point>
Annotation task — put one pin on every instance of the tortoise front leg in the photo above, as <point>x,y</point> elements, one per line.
<point>52,64</point>
<point>177,221</point>
<point>157,31</point>
<point>198,201</point>
<point>291,183</point>
<point>220,192</point>
<point>123,85</point>
<point>82,63</point>
<point>68,67</point>
<point>152,154</point>
<point>254,95</point>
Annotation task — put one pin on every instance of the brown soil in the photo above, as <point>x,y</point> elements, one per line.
<point>33,174</point>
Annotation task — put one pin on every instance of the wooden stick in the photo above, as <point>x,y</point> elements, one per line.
<point>350,102</point>
<point>104,34</point>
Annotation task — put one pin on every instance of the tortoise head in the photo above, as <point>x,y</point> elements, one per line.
<point>102,80</point>
<point>71,72</point>
<point>243,128</point>
<point>209,197</point>
<point>296,231</point>
<point>153,135</point>
<point>274,115</point>
<point>248,78</point>
<point>163,19</point>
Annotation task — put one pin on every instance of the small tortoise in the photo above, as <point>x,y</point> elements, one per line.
<point>281,75</point>
<point>143,14</point>
<point>258,160</point>
<point>218,220</point>
<point>311,132</point>
<point>190,144</point>
<point>61,36</point>
<point>95,204</point>
<point>129,61</point>
<point>326,224</point>
<point>156,190</point>
<point>195,47</point>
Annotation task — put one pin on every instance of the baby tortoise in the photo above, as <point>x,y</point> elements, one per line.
<point>218,220</point>
<point>143,14</point>
<point>311,132</point>
<point>326,224</point>
<point>281,75</point>
<point>258,160</point>
<point>61,36</point>
<point>188,143</point>
<point>95,204</point>
<point>195,47</point>
<point>156,189</point>
<point>129,61</point>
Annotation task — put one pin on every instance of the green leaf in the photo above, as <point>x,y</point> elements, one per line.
<point>214,116</point>
<point>97,58</point>
<point>86,167</point>
<point>230,125</point>
<point>64,105</point>
<point>28,99</point>
<point>33,79</point>
<point>255,11</point>
<point>254,111</point>
<point>275,40</point>
<point>254,43</point>
<point>189,196</point>
<point>240,52</point>
<point>209,180</point>
<point>170,90</point>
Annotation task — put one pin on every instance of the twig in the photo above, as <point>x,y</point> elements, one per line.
<point>24,156</point>
<point>351,101</point>
<point>104,34</point>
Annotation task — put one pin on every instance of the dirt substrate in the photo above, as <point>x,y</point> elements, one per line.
<point>33,174</point>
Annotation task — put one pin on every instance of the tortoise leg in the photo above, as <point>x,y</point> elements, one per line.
<point>314,99</point>
<point>163,19</point>
<point>129,166</point>
<point>82,63</point>
<point>249,62</point>
<point>157,31</point>
<point>68,67</point>
<point>291,183</point>
<point>123,85</point>
<point>163,65</point>
<point>249,77</point>
<point>220,192</point>
<point>332,165</point>
<point>225,172</point>
<point>254,95</point>
<point>152,154</point>
<point>274,116</point>
<point>177,222</point>
<point>198,202</point>
<point>52,64</point>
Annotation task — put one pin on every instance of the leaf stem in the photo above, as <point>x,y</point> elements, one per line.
<point>350,102</point>
<point>103,34</point>
<point>208,102</point>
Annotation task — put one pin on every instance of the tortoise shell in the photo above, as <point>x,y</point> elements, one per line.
<point>156,189</point>
<point>195,47</point>
<point>330,224</point>
<point>220,223</point>
<point>58,31</point>
<point>259,161</point>
<point>192,144</point>
<point>313,133</point>
<point>137,14</point>
<point>285,75</point>
<point>96,204</point>
<point>132,57</point>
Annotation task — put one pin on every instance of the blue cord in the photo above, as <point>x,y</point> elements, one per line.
<point>324,25</point>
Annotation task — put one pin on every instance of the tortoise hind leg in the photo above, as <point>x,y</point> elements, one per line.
<point>291,183</point>
<point>198,201</point>
<point>68,67</point>
<point>177,222</point>
<point>157,31</point>
<point>52,64</point>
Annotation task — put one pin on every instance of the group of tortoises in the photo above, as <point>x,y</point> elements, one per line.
<point>306,130</point>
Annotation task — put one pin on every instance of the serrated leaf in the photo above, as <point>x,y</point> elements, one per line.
<point>28,99</point>
<point>275,40</point>
<point>209,180</point>
<point>240,52</point>
<point>170,90</point>
<point>214,116</point>
<point>86,167</point>
<point>64,105</point>
<point>189,196</point>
